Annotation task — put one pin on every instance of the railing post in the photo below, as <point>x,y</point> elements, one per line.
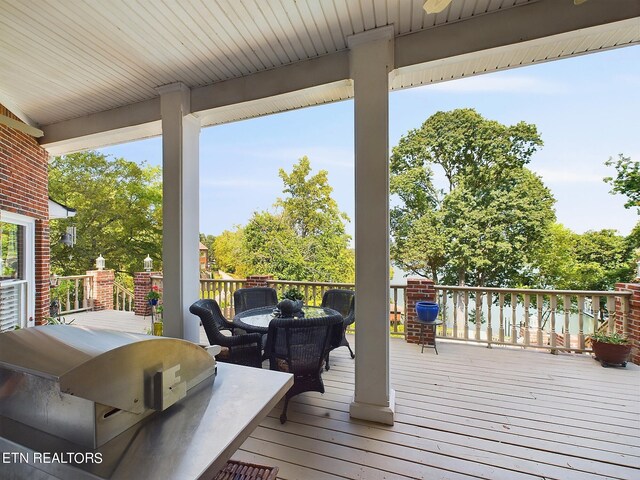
<point>142,286</point>
<point>418,289</point>
<point>102,288</point>
<point>628,317</point>
<point>253,281</point>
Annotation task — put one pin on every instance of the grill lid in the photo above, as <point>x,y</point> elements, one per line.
<point>124,370</point>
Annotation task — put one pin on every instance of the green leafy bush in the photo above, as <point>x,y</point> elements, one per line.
<point>614,338</point>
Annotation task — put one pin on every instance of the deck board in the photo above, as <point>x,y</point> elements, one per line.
<point>468,413</point>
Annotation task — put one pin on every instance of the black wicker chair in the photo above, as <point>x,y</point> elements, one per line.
<point>300,346</point>
<point>238,349</point>
<point>344,302</point>
<point>247,298</point>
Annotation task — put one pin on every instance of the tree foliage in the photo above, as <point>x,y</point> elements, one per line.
<point>119,212</point>
<point>227,251</point>
<point>494,211</point>
<point>627,181</point>
<point>594,260</point>
<point>304,237</point>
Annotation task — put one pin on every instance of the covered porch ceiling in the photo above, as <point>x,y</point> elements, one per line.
<point>87,73</point>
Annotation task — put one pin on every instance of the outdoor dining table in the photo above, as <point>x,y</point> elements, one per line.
<point>258,319</point>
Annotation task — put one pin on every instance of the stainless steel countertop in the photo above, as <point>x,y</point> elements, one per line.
<point>191,440</point>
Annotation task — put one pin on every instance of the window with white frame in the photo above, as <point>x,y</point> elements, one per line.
<point>17,270</point>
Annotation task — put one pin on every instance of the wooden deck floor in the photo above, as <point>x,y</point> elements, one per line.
<point>469,412</point>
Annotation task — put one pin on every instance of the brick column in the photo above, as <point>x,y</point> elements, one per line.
<point>141,286</point>
<point>42,271</point>
<point>257,281</point>
<point>418,289</point>
<point>102,284</point>
<point>633,318</point>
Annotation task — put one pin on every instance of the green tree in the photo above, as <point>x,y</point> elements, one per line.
<point>227,252</point>
<point>493,212</point>
<point>271,246</point>
<point>594,260</point>
<point>305,238</point>
<point>627,182</point>
<point>554,264</point>
<point>119,212</point>
<point>603,260</point>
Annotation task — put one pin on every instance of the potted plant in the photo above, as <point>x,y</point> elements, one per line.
<point>295,295</point>
<point>610,348</point>
<point>154,295</point>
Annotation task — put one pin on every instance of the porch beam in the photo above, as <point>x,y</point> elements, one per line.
<point>180,212</point>
<point>371,61</point>
<point>141,119</point>
<point>511,26</point>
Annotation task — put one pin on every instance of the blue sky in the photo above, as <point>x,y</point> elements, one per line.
<point>586,109</point>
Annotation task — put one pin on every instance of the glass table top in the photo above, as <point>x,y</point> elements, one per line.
<point>260,317</point>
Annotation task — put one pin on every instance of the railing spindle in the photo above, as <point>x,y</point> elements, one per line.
<point>455,314</point>
<point>554,303</point>
<point>466,314</point>
<point>514,323</point>
<point>501,317</point>
<point>539,302</point>
<point>595,306</point>
<point>581,338</point>
<point>611,308</point>
<point>489,327</point>
<point>567,312</point>
<point>527,319</point>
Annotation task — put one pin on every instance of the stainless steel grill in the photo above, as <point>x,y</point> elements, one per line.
<point>87,386</point>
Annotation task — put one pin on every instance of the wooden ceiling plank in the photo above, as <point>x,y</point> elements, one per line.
<point>322,42</point>
<point>292,14</point>
<point>325,29</point>
<point>247,33</point>
<point>284,38</point>
<point>333,23</point>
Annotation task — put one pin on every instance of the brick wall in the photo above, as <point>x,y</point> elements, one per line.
<point>102,285</point>
<point>418,289</point>
<point>141,286</point>
<point>633,318</point>
<point>24,190</point>
<point>257,281</point>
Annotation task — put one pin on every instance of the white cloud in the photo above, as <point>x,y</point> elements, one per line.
<point>500,84</point>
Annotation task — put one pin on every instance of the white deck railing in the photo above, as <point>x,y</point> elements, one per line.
<point>553,319</point>
<point>73,293</point>
<point>123,298</point>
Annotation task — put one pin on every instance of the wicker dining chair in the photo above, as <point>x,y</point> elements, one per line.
<point>344,302</point>
<point>247,298</point>
<point>239,349</point>
<point>300,347</point>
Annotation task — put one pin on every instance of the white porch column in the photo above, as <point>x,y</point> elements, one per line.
<point>371,61</point>
<point>180,216</point>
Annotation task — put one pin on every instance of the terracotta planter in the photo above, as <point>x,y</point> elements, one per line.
<point>611,353</point>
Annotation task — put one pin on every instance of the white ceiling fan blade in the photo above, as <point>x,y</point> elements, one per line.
<point>23,127</point>
<point>435,6</point>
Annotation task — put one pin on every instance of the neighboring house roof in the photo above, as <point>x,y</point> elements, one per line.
<point>202,247</point>
<point>58,210</point>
